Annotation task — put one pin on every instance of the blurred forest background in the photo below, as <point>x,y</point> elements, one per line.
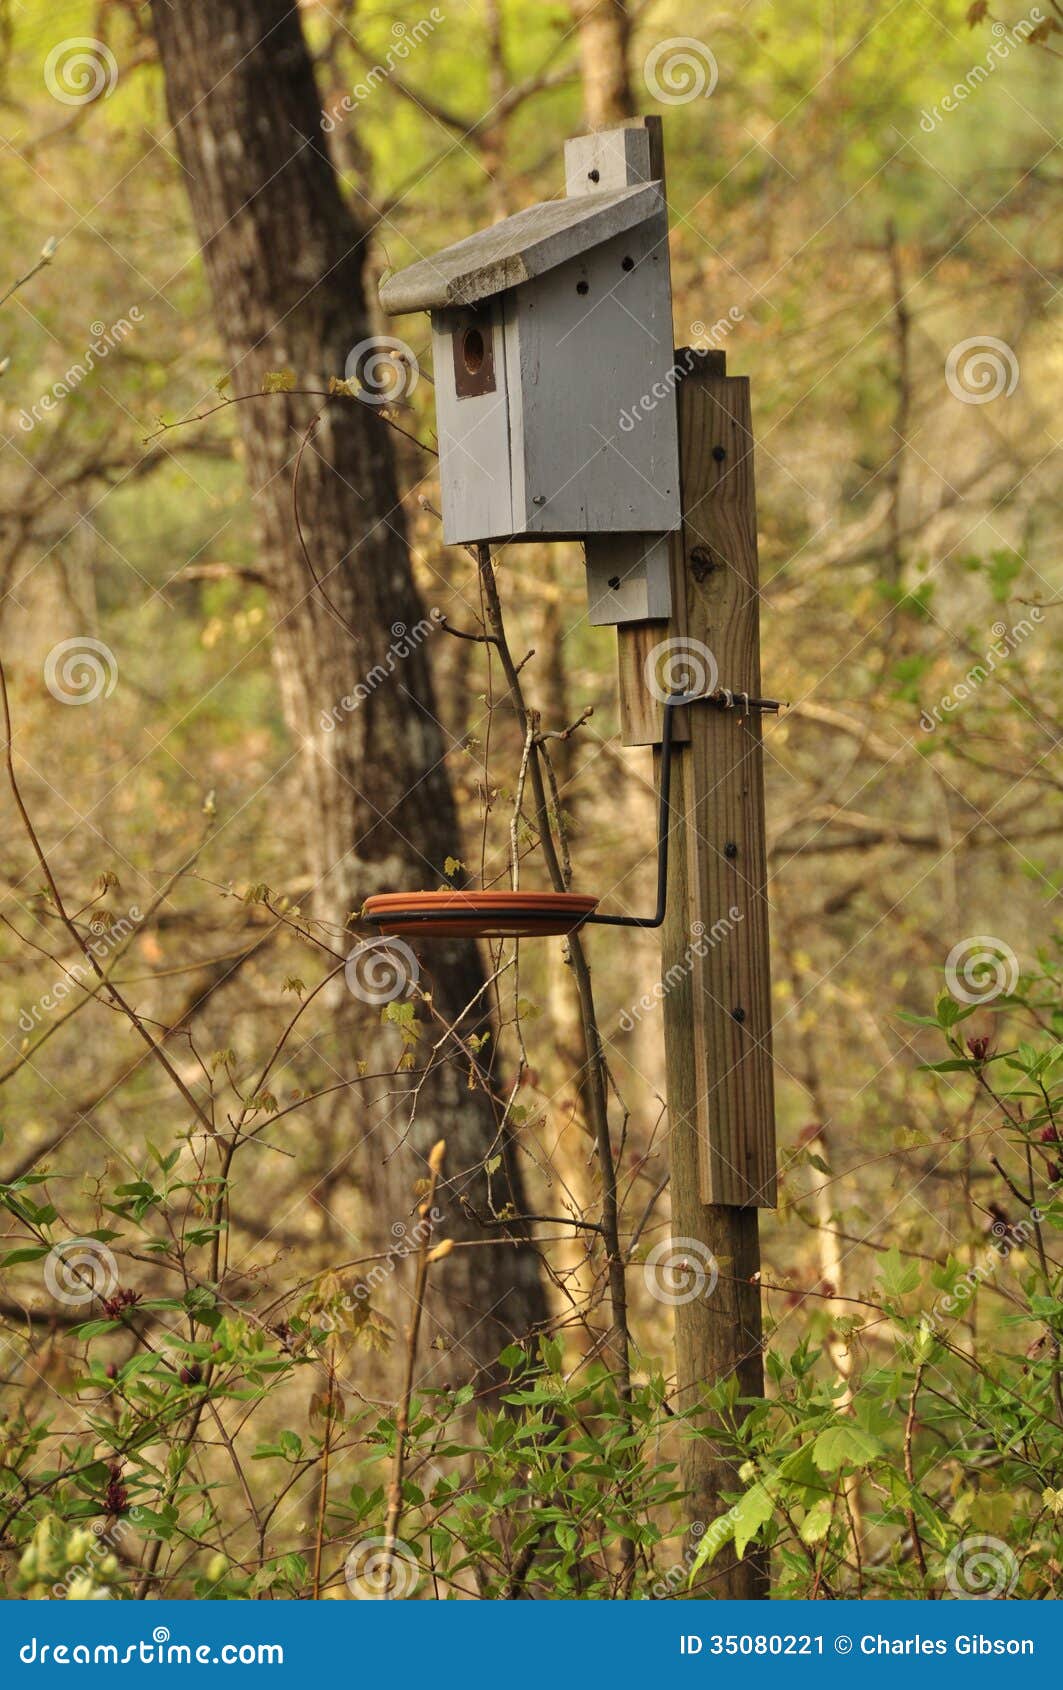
<point>235,1136</point>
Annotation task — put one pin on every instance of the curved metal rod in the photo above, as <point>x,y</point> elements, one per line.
<point>671,704</point>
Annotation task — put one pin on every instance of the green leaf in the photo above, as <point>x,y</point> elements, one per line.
<point>31,1253</point>
<point>94,1328</point>
<point>845,1445</point>
<point>754,1510</point>
<point>898,1277</point>
<point>816,1523</point>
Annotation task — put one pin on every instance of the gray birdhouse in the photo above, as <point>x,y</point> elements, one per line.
<point>553,371</point>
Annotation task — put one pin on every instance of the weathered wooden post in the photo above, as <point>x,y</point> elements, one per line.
<point>564,412</point>
<point>715,945</point>
<point>717,1014</point>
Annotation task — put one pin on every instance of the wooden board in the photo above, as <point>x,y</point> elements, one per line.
<point>718,1017</point>
<point>475,471</point>
<point>629,578</point>
<point>615,158</point>
<point>522,247</point>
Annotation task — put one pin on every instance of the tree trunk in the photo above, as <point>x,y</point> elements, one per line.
<point>285,259</point>
<point>604,31</point>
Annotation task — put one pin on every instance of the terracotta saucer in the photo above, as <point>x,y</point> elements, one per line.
<point>486,915</point>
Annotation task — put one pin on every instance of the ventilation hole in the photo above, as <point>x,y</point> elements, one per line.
<point>594,175</point>
<point>583,287</point>
<point>627,264</point>
<point>472,350</point>
<point>614,582</point>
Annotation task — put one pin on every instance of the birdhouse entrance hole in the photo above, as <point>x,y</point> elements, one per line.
<point>473,340</point>
<point>472,350</point>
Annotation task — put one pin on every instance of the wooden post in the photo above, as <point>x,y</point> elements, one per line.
<point>715,958</point>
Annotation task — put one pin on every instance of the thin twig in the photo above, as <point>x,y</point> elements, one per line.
<point>425,1256</point>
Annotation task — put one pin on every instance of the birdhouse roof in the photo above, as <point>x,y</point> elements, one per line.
<point>519,248</point>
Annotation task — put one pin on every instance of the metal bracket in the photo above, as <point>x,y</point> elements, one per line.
<point>726,699</point>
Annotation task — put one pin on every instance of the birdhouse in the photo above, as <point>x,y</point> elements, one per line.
<point>554,374</point>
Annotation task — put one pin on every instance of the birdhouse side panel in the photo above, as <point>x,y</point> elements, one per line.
<point>591,370</point>
<point>472,425</point>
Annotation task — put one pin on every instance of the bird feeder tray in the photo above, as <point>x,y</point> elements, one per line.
<point>479,915</point>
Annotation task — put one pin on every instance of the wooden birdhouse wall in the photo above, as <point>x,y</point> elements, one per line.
<point>544,450</point>
<point>584,344</point>
<point>472,428</point>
